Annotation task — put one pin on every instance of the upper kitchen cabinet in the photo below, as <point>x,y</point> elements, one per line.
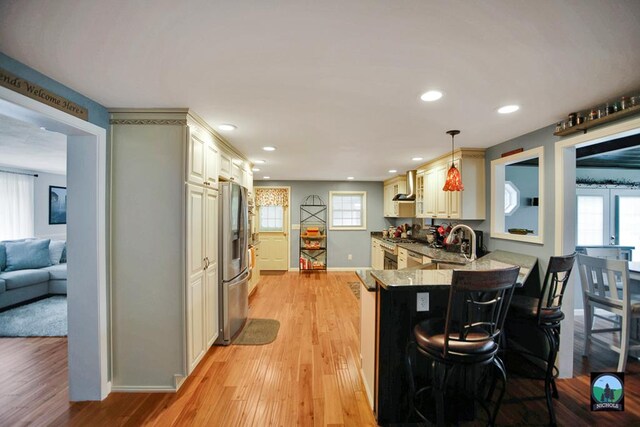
<point>467,204</point>
<point>396,209</point>
<point>202,158</point>
<point>225,165</point>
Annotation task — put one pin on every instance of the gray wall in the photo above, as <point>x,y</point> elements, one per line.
<point>525,178</point>
<point>542,137</point>
<point>42,228</point>
<point>339,243</point>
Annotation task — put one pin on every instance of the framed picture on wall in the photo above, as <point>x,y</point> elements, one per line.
<point>57,205</point>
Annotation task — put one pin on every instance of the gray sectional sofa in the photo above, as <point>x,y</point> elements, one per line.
<point>31,268</point>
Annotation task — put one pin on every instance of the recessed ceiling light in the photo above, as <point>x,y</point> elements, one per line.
<point>259,162</point>
<point>256,169</point>
<point>416,159</point>
<point>266,177</point>
<point>392,171</point>
<point>350,177</point>
<point>227,127</point>
<point>267,148</point>
<point>432,95</point>
<point>508,109</point>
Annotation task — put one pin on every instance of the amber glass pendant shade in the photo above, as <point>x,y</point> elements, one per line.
<point>454,179</point>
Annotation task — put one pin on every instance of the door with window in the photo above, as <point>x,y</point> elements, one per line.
<point>273,223</point>
<point>608,217</point>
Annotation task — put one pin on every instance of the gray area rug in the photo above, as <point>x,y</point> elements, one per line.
<point>44,318</point>
<point>258,332</point>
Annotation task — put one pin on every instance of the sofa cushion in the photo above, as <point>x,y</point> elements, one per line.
<point>28,254</point>
<point>3,257</point>
<point>3,286</point>
<point>56,247</point>
<point>57,272</point>
<point>22,278</point>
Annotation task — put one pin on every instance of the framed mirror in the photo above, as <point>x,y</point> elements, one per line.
<point>517,202</point>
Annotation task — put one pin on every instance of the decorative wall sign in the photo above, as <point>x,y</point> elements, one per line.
<point>33,91</point>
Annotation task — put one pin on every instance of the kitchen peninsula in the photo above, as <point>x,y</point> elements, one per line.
<point>389,312</point>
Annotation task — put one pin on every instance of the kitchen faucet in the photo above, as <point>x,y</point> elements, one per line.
<point>449,239</point>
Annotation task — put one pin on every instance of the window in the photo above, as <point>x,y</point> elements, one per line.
<point>271,218</point>
<point>348,210</point>
<point>16,205</point>
<point>590,210</point>
<point>511,198</point>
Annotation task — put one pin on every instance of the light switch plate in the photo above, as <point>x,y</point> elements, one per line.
<point>423,301</point>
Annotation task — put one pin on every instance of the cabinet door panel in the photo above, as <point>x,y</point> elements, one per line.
<point>195,160</point>
<point>442,197</point>
<point>225,165</point>
<point>211,252</point>
<point>195,314</point>
<point>431,193</point>
<point>211,165</point>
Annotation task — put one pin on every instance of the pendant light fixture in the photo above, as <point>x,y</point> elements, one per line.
<point>454,179</point>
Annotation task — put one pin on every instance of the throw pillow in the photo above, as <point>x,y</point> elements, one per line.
<point>63,258</point>
<point>3,257</point>
<point>29,254</point>
<point>56,247</point>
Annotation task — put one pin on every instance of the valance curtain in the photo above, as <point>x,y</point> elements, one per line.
<point>272,197</point>
<point>16,206</point>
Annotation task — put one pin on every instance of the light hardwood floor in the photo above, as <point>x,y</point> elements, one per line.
<point>308,376</point>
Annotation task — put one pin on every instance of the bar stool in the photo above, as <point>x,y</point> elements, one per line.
<point>545,313</point>
<point>467,338</point>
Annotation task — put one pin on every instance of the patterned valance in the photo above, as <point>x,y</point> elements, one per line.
<point>272,197</point>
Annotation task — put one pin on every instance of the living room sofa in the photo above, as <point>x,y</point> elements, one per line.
<point>30,269</point>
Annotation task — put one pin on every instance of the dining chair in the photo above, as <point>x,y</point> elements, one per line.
<point>466,341</point>
<point>605,286</point>
<point>608,253</point>
<point>544,313</point>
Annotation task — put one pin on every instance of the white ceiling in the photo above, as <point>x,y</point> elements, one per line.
<point>26,146</point>
<point>335,85</point>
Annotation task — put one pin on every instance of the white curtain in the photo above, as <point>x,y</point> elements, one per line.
<point>16,206</point>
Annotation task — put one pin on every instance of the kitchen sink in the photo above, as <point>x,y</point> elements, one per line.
<point>440,266</point>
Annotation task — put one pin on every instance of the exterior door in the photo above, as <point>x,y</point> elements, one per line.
<point>274,237</point>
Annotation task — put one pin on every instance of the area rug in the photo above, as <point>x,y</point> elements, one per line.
<point>355,288</point>
<point>44,318</point>
<point>258,332</point>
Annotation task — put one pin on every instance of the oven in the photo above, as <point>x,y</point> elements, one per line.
<point>390,260</point>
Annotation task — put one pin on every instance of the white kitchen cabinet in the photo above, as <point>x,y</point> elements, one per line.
<point>467,204</point>
<point>202,158</point>
<point>393,208</point>
<point>255,273</point>
<point>237,173</point>
<point>403,256</point>
<point>368,342</point>
<point>226,165</point>
<point>164,225</point>
<point>420,195</point>
<point>377,255</point>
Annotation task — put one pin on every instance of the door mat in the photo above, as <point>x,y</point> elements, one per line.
<point>44,318</point>
<point>355,288</point>
<point>258,332</point>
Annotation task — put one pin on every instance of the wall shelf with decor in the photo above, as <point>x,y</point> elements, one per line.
<point>313,234</point>
<point>587,119</point>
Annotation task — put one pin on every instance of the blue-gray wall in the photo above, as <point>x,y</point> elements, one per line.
<point>541,137</point>
<point>339,243</point>
<point>98,115</point>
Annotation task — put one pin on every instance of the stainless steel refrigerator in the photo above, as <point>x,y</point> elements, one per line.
<point>233,261</point>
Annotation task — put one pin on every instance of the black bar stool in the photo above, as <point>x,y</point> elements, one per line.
<point>544,312</point>
<point>466,339</point>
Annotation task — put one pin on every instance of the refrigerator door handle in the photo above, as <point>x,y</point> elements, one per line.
<point>241,278</point>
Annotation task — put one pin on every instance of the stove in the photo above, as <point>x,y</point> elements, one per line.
<point>389,243</point>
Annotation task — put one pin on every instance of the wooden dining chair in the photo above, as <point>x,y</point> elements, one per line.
<point>608,253</point>
<point>605,286</point>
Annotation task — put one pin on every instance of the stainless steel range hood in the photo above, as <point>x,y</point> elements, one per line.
<point>411,189</point>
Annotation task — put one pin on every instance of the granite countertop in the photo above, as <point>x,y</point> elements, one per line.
<point>441,279</point>
<point>366,279</point>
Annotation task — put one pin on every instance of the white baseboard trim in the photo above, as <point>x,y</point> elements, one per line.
<point>366,389</point>
<point>143,389</point>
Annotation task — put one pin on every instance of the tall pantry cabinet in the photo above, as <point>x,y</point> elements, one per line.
<point>165,166</point>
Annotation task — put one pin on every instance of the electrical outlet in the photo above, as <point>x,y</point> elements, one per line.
<point>349,257</point>
<point>423,301</point>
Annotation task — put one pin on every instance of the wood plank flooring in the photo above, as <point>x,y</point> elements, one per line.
<point>308,376</point>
